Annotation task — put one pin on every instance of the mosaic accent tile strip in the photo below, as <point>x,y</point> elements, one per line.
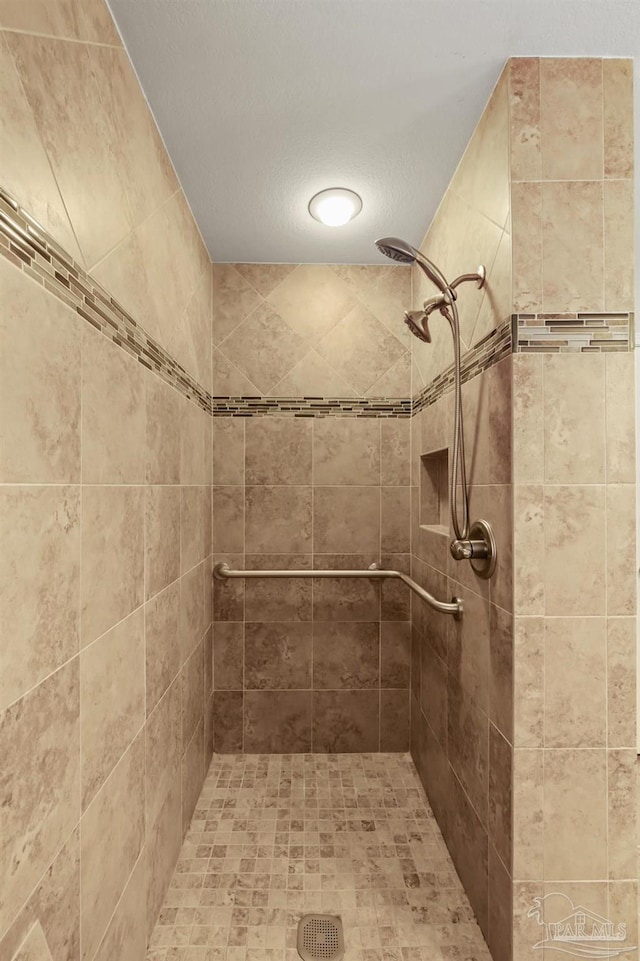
<point>311,406</point>
<point>276,837</point>
<point>573,333</point>
<point>24,242</point>
<point>487,352</point>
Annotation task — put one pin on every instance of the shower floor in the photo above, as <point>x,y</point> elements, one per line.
<point>275,837</point>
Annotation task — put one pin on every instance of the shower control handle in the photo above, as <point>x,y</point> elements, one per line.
<point>468,550</point>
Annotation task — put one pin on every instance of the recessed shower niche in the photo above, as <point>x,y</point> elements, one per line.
<point>434,491</point>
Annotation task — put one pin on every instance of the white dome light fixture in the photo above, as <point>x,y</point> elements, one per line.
<point>335,206</point>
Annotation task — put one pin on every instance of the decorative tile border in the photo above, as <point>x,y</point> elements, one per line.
<point>573,333</point>
<point>311,406</point>
<point>487,352</point>
<point>24,242</point>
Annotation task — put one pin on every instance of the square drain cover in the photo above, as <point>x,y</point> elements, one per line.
<point>320,936</point>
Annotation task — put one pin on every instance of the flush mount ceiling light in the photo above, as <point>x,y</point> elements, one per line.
<point>335,207</point>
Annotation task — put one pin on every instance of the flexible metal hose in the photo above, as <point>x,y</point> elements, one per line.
<point>458,465</point>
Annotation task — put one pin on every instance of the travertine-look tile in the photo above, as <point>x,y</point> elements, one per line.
<point>55,905</point>
<point>312,299</point>
<point>88,179</point>
<point>162,847</point>
<point>263,277</point>
<point>277,722</point>
<point>278,451</point>
<point>528,814</point>
<point>524,107</point>
<point>195,526</point>
<point>622,814</point>
<point>395,519</point>
<point>572,246</point>
<point>345,721</point>
<point>394,721</point>
<point>621,654</point>
<point>39,384</point>
<point>500,908</point>
<point>26,171</point>
<point>574,520</point>
<point>264,347</point>
<point>344,516</point>
<point>162,646</point>
<point>528,540</point>
<point>40,745</point>
<point>228,511</point>
<point>112,556</point>
<point>112,699</point>
<point>276,599</point>
<point>125,936</point>
<point>195,444</point>
<point>192,775</point>
<point>617,77</point>
<point>571,118</point>
<point>346,451</point>
<point>575,689</point>
<point>575,814</point>
<point>620,418</point>
<point>468,746</point>
<point>228,439</point>
<point>527,233</point>
<point>528,658</point>
<point>574,419</point>
<point>34,947</point>
<point>278,519</point>
<point>69,19</point>
<point>528,420</point>
<point>395,448</point>
<point>39,584</point>
<point>161,537</point>
<point>193,613</point>
<point>163,749</point>
<point>192,694</point>
<point>346,655</point>
<point>395,654</point>
<point>621,549</point>
<point>360,348</point>
<point>228,656</point>
<point>277,656</point>
<point>112,831</point>
<point>312,376</point>
<point>501,671</point>
<point>233,300</point>
<point>618,245</point>
<point>163,408</point>
<point>500,800</point>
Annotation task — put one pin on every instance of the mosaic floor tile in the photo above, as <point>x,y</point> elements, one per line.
<point>276,837</point>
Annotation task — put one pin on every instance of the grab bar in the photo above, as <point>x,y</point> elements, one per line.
<point>455,607</point>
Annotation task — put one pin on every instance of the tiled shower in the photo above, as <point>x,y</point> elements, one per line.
<point>190,765</point>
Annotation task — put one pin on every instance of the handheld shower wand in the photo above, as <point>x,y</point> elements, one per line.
<point>475,543</point>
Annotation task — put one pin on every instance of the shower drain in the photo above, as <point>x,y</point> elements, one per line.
<point>320,936</point>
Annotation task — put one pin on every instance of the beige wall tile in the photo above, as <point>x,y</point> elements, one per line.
<point>40,733</point>
<point>39,384</point>
<point>162,648</point>
<point>574,519</point>
<point>384,290</point>
<point>623,900</point>
<point>228,435</point>
<point>572,246</point>
<point>113,433</point>
<point>575,693</point>
<point>192,693</point>
<point>264,347</point>
<point>195,453</point>
<point>278,519</point>
<point>528,534</point>
<point>264,278</point>
<point>55,905</point>
<point>312,299</point>
<point>527,929</point>
<point>112,557</point>
<point>278,450</point>
<point>344,517</point>
<point>468,653</point>
<point>164,838</point>
<point>126,936</point>
<point>193,616</point>
<point>621,668</point>
<point>622,814</point>
<point>500,799</point>
<point>192,776</point>
<point>39,583</point>
<point>26,171</point>
<point>278,600</point>
<point>233,299</point>
<point>360,349</point>
<point>277,656</point>
<point>620,418</point>
<point>501,671</point>
<point>528,672</point>
<point>395,451</point>
<point>575,814</point>
<point>163,747</point>
<point>34,947</point>
<point>78,143</point>
<point>195,526</point>
<point>571,118</point>
<point>618,245</point>
<point>496,304</point>
<point>527,233</point>
<point>162,418</point>
<point>621,549</point>
<point>528,419</point>
<point>312,376</point>
<point>528,814</point>
<point>486,404</point>
<point>395,519</point>
<point>112,832</point>
<point>162,537</point>
<point>346,450</point>
<point>70,19</point>
<point>617,76</point>
<point>524,109</point>
<point>574,419</point>
<point>112,700</point>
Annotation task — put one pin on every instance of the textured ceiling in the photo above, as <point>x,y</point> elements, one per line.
<point>264,102</point>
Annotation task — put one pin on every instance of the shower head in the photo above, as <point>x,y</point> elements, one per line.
<point>416,321</point>
<point>404,253</point>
